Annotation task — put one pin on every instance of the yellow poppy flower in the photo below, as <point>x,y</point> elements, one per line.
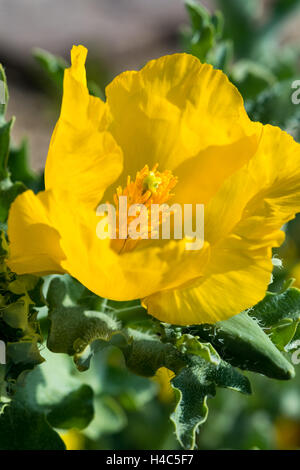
<point>190,120</point>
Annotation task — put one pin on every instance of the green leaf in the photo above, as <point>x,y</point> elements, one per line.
<point>33,285</point>
<point>188,344</point>
<point>72,327</point>
<point>222,55</point>
<point>3,106</point>
<point>144,354</point>
<point>274,105</point>
<point>199,15</point>
<point>8,190</point>
<point>204,38</point>
<point>64,290</point>
<point>252,78</point>
<point>240,25</point>
<point>279,314</point>
<point>74,411</point>
<point>53,389</point>
<point>218,21</point>
<point>108,375</point>
<point>18,320</point>
<point>205,30</point>
<point>295,338</point>
<point>8,193</point>
<point>276,307</point>
<point>191,408</point>
<point>15,315</point>
<point>226,376</point>
<point>23,355</point>
<point>80,333</point>
<point>53,66</point>
<point>193,385</point>
<point>19,166</point>
<point>23,429</point>
<point>5,397</point>
<point>283,334</point>
<point>3,251</point>
<point>109,418</point>
<point>197,364</point>
<point>283,6</point>
<point>5,129</point>
<point>242,343</point>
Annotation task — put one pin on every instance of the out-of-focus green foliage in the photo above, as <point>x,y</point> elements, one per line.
<point>54,67</point>
<point>253,56</point>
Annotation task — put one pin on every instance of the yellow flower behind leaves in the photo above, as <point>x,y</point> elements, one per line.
<point>190,120</point>
<point>73,440</point>
<point>163,378</point>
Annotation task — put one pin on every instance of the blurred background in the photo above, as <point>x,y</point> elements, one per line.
<point>120,35</point>
<point>261,47</point>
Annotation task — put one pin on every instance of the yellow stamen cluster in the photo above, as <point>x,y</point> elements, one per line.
<point>149,187</point>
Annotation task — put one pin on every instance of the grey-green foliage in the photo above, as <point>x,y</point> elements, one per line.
<point>22,429</point>
<point>202,357</point>
<point>9,190</point>
<point>245,345</point>
<point>94,369</point>
<point>251,54</point>
<point>203,38</point>
<point>54,67</point>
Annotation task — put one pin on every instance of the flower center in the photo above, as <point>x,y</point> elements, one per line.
<point>149,187</point>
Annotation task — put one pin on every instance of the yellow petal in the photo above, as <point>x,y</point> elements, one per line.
<point>215,297</point>
<point>242,224</point>
<point>82,158</point>
<point>262,196</point>
<point>34,242</point>
<point>200,177</point>
<point>131,275</point>
<point>171,110</point>
<point>53,232</point>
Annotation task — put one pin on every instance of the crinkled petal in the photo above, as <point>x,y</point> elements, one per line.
<point>216,296</point>
<point>131,275</point>
<point>83,158</point>
<point>53,232</point>
<point>242,224</point>
<point>200,177</point>
<point>34,242</point>
<point>171,110</point>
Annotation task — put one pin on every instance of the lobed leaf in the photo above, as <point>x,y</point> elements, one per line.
<point>193,386</point>
<point>242,343</point>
